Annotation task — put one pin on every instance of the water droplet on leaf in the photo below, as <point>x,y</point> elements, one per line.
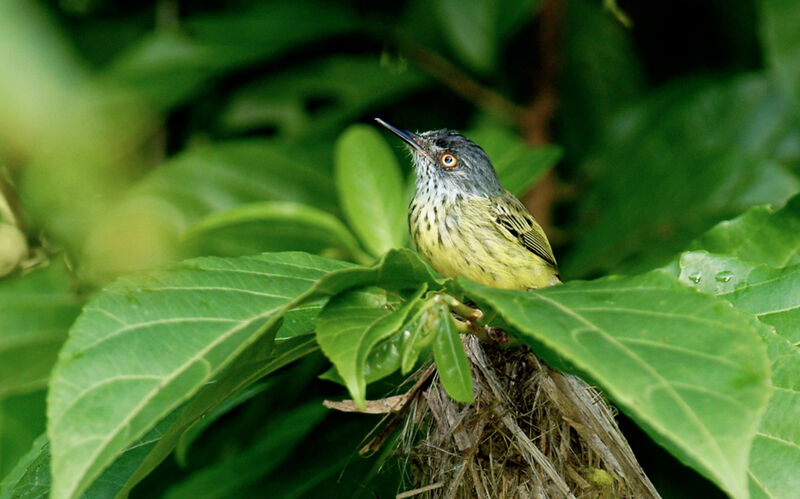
<point>695,277</point>
<point>724,276</point>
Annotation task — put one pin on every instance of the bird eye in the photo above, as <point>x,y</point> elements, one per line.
<point>448,160</point>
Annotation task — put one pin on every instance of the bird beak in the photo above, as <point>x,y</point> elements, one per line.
<point>412,139</point>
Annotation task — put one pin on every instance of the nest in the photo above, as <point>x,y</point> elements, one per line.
<point>533,432</point>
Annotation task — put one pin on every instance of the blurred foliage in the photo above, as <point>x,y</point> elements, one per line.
<point>135,135</point>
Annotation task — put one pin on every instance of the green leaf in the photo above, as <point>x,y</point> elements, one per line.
<point>776,448</point>
<point>36,311</point>
<point>31,477</point>
<point>687,367</point>
<point>477,29</point>
<point>170,67</point>
<point>421,335</point>
<point>257,361</point>
<point>320,97</point>
<point>149,342</point>
<point>371,188</point>
<point>451,360</point>
<point>352,324</point>
<point>758,235</point>
<point>779,20</point>
<point>398,270</point>
<point>278,439</point>
<point>709,150</point>
<point>518,165</point>
<point>600,73</point>
<point>271,226</point>
<point>771,294</point>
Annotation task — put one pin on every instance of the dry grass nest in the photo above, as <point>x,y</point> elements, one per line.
<point>532,432</point>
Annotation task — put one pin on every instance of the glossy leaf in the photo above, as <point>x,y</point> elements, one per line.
<point>687,367</point>
<point>271,226</point>
<point>451,360</point>
<point>398,269</point>
<point>771,294</point>
<point>352,324</point>
<point>779,20</point>
<point>671,166</point>
<point>371,189</point>
<point>149,342</point>
<point>741,274</point>
<point>518,165</point>
<point>761,234</point>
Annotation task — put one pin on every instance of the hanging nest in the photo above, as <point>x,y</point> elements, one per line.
<point>533,432</point>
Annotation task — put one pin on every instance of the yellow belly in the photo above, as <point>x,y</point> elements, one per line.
<point>457,241</point>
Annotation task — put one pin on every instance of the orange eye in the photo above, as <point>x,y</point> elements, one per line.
<point>448,160</point>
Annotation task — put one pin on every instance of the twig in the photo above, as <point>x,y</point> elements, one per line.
<point>457,80</point>
<point>414,492</point>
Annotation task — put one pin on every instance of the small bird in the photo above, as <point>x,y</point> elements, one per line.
<point>465,223</point>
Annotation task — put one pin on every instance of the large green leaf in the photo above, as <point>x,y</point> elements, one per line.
<point>687,367</point>
<point>149,342</point>
<point>518,165</point>
<point>271,226</point>
<point>758,270</point>
<point>36,311</point>
<point>773,295</point>
<point>256,361</point>
<point>776,449</point>
<point>171,66</point>
<point>758,235</point>
<point>779,20</point>
<point>142,230</point>
<point>318,98</point>
<point>690,155</point>
<point>371,188</point>
<point>31,478</point>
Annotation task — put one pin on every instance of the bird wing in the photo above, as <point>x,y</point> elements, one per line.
<point>516,223</point>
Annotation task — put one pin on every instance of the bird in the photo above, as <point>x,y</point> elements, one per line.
<point>465,223</point>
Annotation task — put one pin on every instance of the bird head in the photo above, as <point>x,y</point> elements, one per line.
<point>446,161</point>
